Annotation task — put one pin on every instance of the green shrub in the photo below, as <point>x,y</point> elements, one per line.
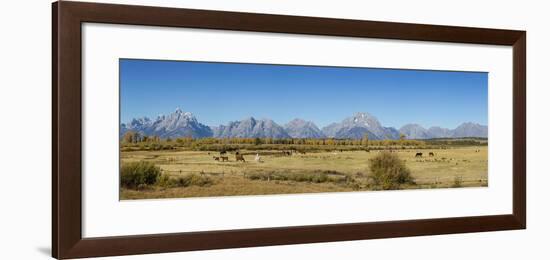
<point>164,180</point>
<point>312,177</point>
<point>388,172</point>
<point>135,175</point>
<point>185,181</point>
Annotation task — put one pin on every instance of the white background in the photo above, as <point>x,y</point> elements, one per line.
<point>104,44</point>
<point>26,121</point>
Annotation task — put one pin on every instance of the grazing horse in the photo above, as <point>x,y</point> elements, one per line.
<point>216,158</point>
<point>239,157</point>
<point>418,155</point>
<point>431,154</point>
<point>224,158</point>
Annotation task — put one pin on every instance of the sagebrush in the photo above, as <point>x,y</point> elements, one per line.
<point>185,181</point>
<point>388,172</point>
<point>138,174</point>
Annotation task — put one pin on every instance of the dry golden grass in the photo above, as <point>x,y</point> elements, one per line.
<point>465,165</point>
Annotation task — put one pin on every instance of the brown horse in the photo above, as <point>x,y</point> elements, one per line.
<point>418,155</point>
<point>239,157</point>
<point>224,158</point>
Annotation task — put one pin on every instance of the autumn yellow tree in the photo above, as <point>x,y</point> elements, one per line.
<point>365,140</point>
<point>132,137</point>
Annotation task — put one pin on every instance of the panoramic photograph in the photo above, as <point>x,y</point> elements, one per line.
<point>211,129</point>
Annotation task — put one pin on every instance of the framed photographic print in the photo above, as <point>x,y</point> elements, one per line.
<point>178,129</point>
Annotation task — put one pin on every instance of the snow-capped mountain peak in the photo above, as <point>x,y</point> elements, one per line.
<point>177,124</point>
<point>359,125</point>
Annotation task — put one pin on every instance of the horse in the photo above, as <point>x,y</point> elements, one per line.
<point>239,157</point>
<point>418,155</point>
<point>216,158</point>
<point>224,158</point>
<point>258,158</point>
<point>431,154</point>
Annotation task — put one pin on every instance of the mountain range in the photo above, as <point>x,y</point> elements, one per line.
<point>251,128</point>
<point>180,124</point>
<point>177,124</point>
<point>299,128</point>
<point>469,129</point>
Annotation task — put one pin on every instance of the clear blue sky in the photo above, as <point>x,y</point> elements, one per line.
<point>217,93</point>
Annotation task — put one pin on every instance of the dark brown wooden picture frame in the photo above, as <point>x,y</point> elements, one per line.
<point>67,240</point>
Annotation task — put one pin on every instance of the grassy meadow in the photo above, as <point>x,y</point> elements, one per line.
<point>195,172</point>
